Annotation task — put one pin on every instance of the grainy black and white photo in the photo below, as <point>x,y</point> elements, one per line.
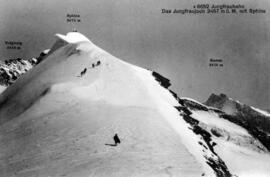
<point>133,88</point>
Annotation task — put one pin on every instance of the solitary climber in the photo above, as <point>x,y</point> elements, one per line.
<point>98,63</point>
<point>116,139</point>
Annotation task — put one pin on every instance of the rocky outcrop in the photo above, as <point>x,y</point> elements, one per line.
<point>164,82</point>
<point>12,69</point>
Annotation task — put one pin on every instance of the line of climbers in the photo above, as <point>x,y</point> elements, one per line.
<point>85,69</point>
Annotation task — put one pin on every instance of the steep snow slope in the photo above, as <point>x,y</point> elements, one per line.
<point>59,120</point>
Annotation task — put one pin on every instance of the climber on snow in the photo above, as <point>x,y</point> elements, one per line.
<point>94,65</point>
<point>83,72</point>
<point>116,139</point>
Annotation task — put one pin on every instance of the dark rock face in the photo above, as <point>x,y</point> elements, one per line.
<point>164,82</point>
<point>217,101</point>
<point>257,124</point>
<point>42,56</point>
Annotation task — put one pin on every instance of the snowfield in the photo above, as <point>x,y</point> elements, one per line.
<point>243,161</point>
<point>63,122</point>
<point>59,119</point>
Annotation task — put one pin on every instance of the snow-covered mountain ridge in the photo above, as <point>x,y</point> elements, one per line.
<point>12,69</point>
<point>66,110</point>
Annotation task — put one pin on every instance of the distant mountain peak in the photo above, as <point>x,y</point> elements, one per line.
<point>217,98</point>
<point>12,69</point>
<point>223,102</point>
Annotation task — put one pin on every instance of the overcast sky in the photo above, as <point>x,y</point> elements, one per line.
<point>177,46</point>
